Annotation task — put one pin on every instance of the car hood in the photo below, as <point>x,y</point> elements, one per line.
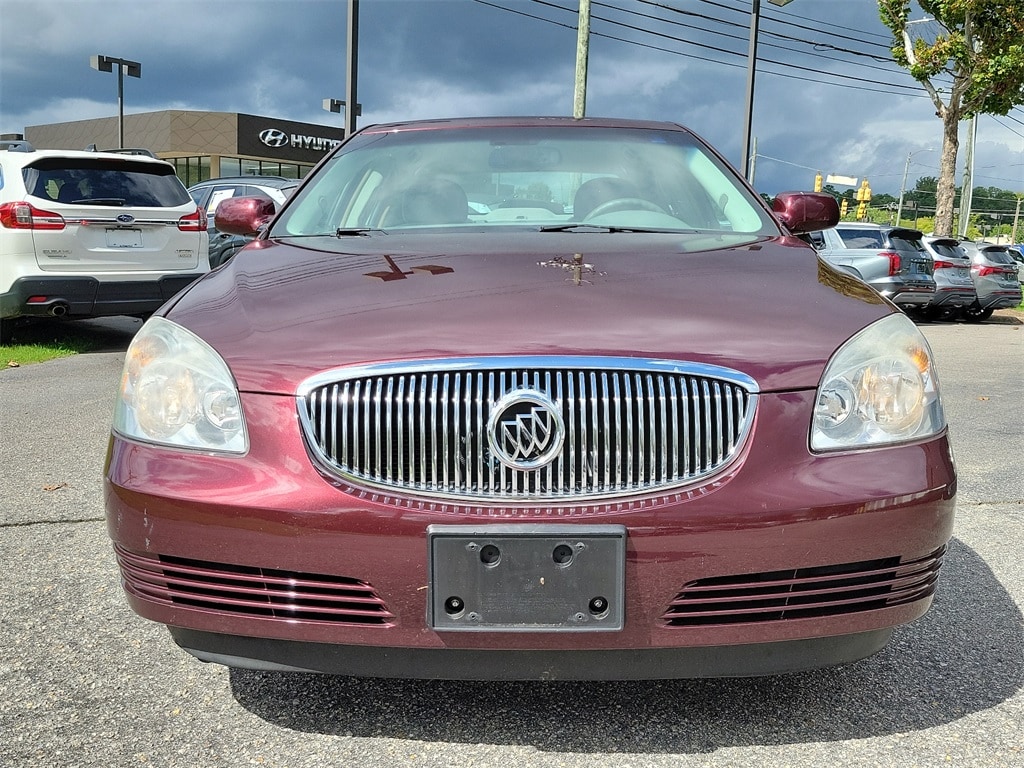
<point>280,312</point>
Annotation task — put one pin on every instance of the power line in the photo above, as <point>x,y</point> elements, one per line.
<point>870,85</point>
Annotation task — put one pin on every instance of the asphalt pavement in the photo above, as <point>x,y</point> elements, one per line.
<point>88,683</point>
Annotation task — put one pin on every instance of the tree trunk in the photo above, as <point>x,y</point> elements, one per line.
<point>945,192</point>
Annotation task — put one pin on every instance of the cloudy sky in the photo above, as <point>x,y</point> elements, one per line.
<point>828,97</point>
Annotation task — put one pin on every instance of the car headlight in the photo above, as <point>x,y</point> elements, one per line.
<point>880,387</point>
<point>176,390</point>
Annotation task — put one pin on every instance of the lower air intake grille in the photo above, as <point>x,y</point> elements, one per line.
<point>256,592</point>
<point>804,593</point>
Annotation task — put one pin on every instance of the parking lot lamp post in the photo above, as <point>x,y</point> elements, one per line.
<point>124,67</point>
<point>336,105</point>
<point>755,20</point>
<point>903,185</point>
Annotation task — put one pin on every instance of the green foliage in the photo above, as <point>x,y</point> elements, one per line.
<point>978,60</point>
<point>535,191</point>
<point>981,46</point>
<point>46,340</point>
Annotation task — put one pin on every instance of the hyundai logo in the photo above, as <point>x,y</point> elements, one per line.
<point>125,218</point>
<point>525,430</point>
<point>274,137</point>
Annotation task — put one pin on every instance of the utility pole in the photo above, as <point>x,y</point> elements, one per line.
<point>753,161</point>
<point>1016,218</point>
<point>352,107</point>
<point>579,100</point>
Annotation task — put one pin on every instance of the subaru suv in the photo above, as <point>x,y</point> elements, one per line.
<point>892,260</point>
<point>93,234</point>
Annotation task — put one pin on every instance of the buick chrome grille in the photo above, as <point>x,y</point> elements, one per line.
<point>527,429</point>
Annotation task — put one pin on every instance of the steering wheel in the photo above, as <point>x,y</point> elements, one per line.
<point>624,204</point>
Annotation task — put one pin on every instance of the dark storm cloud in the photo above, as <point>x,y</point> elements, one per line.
<point>436,58</point>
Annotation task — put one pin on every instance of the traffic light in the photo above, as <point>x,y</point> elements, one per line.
<point>817,183</point>
<point>863,197</point>
<point>843,206</point>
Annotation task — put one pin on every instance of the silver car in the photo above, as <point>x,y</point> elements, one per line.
<point>996,279</point>
<point>954,287</point>
<point>892,260</point>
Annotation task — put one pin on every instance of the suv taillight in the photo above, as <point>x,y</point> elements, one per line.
<point>894,261</point>
<point>945,265</point>
<point>986,271</point>
<point>22,215</point>
<point>194,222</point>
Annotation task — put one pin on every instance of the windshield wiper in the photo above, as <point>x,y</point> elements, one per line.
<point>357,232</point>
<point>100,201</point>
<point>604,229</point>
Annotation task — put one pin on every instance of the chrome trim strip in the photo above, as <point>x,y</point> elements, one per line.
<point>526,362</point>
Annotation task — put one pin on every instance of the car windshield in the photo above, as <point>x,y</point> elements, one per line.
<point>544,178</point>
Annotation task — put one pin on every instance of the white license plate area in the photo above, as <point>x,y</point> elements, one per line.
<point>526,578</point>
<point>124,238</point>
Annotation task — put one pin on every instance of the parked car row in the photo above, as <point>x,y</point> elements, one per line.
<point>927,276</point>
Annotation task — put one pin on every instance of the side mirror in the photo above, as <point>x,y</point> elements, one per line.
<point>806,211</point>
<point>244,215</point>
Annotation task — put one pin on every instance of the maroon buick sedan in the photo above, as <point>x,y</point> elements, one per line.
<point>529,398</point>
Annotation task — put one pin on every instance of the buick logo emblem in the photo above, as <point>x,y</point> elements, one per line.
<point>125,218</point>
<point>525,430</point>
<point>274,137</point>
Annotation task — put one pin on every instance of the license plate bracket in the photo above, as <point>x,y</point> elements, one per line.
<point>124,238</point>
<point>526,578</point>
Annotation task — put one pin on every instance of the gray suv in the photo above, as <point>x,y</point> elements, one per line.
<point>892,260</point>
<point>954,287</point>
<point>996,279</point>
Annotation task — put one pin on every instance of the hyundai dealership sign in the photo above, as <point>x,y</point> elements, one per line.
<point>284,139</point>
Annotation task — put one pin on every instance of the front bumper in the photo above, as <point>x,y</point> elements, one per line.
<point>259,561</point>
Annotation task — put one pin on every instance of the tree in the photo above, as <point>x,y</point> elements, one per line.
<point>980,55</point>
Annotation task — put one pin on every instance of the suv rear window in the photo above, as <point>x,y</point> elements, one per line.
<point>997,255</point>
<point>948,250</point>
<point>906,244</point>
<point>105,182</point>
<point>861,238</point>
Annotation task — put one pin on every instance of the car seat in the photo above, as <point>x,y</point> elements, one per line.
<point>437,201</point>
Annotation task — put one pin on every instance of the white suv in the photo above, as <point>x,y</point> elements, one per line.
<point>93,234</point>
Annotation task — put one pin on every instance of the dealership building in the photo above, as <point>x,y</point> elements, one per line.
<point>203,145</point>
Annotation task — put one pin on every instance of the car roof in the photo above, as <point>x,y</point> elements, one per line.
<point>520,122</point>
<point>28,156</point>
<point>867,225</point>
<point>272,181</point>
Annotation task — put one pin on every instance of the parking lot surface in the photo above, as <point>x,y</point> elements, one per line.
<point>88,683</point>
